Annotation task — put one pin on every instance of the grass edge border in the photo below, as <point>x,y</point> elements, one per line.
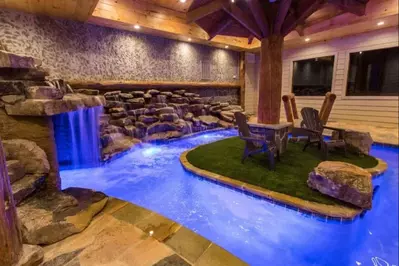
<point>323,210</point>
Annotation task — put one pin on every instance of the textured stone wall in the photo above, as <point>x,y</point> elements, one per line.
<point>76,51</point>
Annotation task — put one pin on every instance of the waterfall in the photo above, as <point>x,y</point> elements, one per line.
<point>77,135</point>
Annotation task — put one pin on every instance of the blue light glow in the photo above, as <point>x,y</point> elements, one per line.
<point>257,231</point>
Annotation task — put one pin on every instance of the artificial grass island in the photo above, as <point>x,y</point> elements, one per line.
<point>224,158</point>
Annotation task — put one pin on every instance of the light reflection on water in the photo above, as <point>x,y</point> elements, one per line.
<point>257,231</point>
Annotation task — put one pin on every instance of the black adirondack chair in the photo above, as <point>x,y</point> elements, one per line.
<point>255,143</point>
<point>312,123</point>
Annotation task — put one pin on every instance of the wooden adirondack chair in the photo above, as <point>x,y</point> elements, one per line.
<point>313,124</point>
<point>254,143</point>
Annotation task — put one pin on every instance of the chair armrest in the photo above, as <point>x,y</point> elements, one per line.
<point>253,139</point>
<point>311,130</point>
<point>334,128</point>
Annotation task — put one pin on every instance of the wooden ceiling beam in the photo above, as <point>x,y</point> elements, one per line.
<point>281,14</point>
<point>260,16</point>
<point>243,19</point>
<point>304,10</point>
<point>220,26</point>
<point>352,6</point>
<point>80,10</point>
<point>251,39</point>
<point>205,10</point>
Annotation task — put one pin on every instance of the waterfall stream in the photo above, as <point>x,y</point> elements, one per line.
<point>77,137</point>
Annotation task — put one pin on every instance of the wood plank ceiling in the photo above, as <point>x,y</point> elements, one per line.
<point>221,23</point>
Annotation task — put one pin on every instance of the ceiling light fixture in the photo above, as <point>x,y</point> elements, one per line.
<point>189,39</point>
<point>182,1</point>
<point>307,39</point>
<point>137,26</point>
<point>380,23</point>
<point>226,47</point>
<point>360,52</point>
<point>232,1</point>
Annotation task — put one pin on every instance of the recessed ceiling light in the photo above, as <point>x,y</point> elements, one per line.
<point>380,23</point>
<point>189,39</point>
<point>182,1</point>
<point>232,1</point>
<point>137,26</point>
<point>307,39</point>
<point>360,52</point>
<point>226,46</point>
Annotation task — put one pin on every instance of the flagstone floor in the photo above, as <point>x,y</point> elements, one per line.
<point>126,234</point>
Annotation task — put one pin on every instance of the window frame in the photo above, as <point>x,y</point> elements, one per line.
<point>346,72</point>
<point>313,56</point>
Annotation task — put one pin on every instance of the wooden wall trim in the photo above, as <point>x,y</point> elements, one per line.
<point>133,84</point>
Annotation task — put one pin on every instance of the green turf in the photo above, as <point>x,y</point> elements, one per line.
<point>224,157</point>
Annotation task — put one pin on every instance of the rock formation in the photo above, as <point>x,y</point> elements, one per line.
<point>133,116</point>
<point>344,181</point>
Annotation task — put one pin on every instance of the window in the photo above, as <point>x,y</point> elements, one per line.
<point>374,73</point>
<point>312,77</point>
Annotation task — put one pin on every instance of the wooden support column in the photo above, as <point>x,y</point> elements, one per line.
<point>242,80</point>
<point>270,79</point>
<point>10,233</point>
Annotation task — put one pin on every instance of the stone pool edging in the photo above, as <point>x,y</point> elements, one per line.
<point>379,169</point>
<point>319,209</point>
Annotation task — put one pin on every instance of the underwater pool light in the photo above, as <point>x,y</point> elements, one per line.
<point>151,151</point>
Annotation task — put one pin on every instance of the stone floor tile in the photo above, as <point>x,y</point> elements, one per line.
<point>188,244</point>
<point>158,226</point>
<point>131,213</point>
<point>217,256</point>
<point>173,260</point>
<point>113,205</point>
<point>146,253</point>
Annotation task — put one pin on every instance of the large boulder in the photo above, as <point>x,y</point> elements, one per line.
<point>119,143</point>
<point>48,217</point>
<point>166,110</point>
<point>88,91</point>
<point>173,117</point>
<point>43,92</point>
<point>357,141</point>
<point>12,99</point>
<point>161,127</point>
<point>114,104</point>
<point>15,170</point>
<point>344,181</point>
<point>125,96</point>
<point>122,114</point>
<point>138,94</point>
<point>227,116</point>
<point>11,60</point>
<point>148,119</point>
<point>164,135</point>
<point>29,154</point>
<point>121,122</point>
<point>209,120</point>
<point>48,107</point>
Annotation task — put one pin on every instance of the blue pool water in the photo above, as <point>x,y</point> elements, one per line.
<point>257,231</point>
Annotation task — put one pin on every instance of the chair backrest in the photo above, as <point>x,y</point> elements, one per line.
<point>311,119</point>
<point>326,107</point>
<point>242,124</point>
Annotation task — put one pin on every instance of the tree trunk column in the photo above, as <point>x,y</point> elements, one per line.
<point>270,79</point>
<point>10,233</point>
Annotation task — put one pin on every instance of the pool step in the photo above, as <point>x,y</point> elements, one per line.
<point>25,186</point>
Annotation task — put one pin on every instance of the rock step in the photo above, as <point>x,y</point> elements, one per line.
<point>48,217</point>
<point>16,171</point>
<point>24,187</point>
